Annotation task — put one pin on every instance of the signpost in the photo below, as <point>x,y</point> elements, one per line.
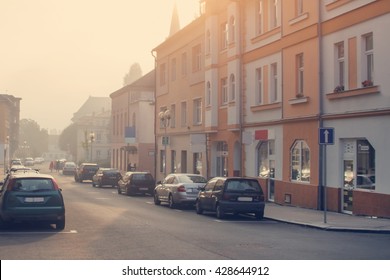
<point>325,137</point>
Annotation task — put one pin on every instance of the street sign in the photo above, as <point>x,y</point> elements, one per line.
<point>326,135</point>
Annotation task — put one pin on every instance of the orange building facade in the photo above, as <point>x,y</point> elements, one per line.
<point>251,85</point>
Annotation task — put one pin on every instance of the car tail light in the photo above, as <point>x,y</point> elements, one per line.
<point>56,187</point>
<point>226,197</point>
<point>181,189</point>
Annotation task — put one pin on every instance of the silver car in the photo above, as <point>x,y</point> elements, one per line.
<point>178,189</point>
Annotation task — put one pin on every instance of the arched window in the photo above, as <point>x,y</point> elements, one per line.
<point>232,87</point>
<point>300,161</point>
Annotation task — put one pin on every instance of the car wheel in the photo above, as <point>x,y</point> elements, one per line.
<point>60,225</point>
<point>119,190</point>
<point>219,212</point>
<point>156,200</point>
<point>259,215</point>
<point>93,184</point>
<point>171,202</point>
<point>198,208</point>
<point>129,191</point>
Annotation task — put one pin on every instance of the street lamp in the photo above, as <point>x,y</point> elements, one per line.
<point>92,139</point>
<point>165,117</point>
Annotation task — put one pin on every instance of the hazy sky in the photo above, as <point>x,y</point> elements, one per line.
<point>56,53</point>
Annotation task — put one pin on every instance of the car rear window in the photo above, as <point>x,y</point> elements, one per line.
<point>90,167</point>
<point>111,172</point>
<point>143,177</point>
<point>243,186</point>
<point>33,185</point>
<point>192,179</point>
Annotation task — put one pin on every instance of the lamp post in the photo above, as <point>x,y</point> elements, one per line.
<point>165,117</point>
<point>6,154</point>
<point>92,139</point>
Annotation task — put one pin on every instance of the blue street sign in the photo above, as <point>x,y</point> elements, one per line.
<point>326,135</point>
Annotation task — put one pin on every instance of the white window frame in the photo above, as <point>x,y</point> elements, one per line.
<point>300,75</point>
<point>259,85</point>
<point>197,119</point>
<point>232,91</point>
<point>274,83</point>
<point>224,91</point>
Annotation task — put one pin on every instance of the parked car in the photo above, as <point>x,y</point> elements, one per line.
<point>136,182</point>
<point>231,195</point>
<point>16,162</point>
<point>178,188</point>
<point>33,197</point>
<point>106,176</point>
<point>39,160</point>
<point>85,171</point>
<point>69,168</point>
<point>29,161</point>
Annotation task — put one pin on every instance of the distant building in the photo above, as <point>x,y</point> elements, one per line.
<point>93,131</point>
<point>9,126</point>
<point>132,130</point>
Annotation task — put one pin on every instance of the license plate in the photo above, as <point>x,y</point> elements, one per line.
<point>143,189</point>
<point>243,198</point>
<point>34,199</point>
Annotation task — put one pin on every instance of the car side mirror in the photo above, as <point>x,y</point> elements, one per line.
<point>201,188</point>
<point>158,182</point>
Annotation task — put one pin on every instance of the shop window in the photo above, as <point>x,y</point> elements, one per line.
<point>300,161</point>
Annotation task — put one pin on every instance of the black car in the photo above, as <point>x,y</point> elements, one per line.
<point>85,172</point>
<point>106,176</point>
<point>31,197</point>
<point>231,195</point>
<point>136,182</point>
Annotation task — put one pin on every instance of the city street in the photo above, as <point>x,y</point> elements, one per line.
<point>102,225</point>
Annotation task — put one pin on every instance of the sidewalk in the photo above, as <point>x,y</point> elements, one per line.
<point>334,221</point>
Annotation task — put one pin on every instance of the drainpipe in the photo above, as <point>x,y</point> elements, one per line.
<point>153,52</point>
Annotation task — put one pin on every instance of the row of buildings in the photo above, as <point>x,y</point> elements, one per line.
<point>295,93</point>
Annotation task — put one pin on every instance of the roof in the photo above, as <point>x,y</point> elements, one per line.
<point>93,106</point>
<point>147,81</point>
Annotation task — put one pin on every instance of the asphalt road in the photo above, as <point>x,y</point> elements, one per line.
<point>102,225</point>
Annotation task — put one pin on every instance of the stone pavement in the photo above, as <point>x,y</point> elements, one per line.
<point>334,221</point>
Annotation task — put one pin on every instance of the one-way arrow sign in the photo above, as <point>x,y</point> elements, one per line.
<point>326,135</point>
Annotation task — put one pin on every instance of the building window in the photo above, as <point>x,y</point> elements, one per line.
<point>184,64</point>
<point>274,83</point>
<point>163,74</point>
<point>232,87</point>
<point>196,58</point>
<point>162,160</point>
<point>197,164</point>
<point>208,42</point>
<point>224,91</point>
<point>265,155</point>
<point>259,86</point>
<point>172,120</point>
<point>173,69</point>
<point>359,164</point>
<point>197,111</point>
<point>340,69</point>
<point>300,161</point>
<point>208,94</point>
<point>299,7</point>
<point>259,17</point>
<point>224,35</point>
<point>300,74</point>
<point>273,9</point>
<point>232,29</point>
<point>183,119</point>
<point>368,62</point>
<point>173,161</point>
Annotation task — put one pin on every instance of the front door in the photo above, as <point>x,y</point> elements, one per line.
<point>349,185</point>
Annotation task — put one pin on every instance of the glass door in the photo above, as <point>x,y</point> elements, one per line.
<point>349,185</point>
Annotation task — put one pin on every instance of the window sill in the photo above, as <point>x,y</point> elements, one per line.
<point>265,107</point>
<point>266,35</point>
<point>298,100</point>
<point>353,92</point>
<point>298,18</point>
<point>336,4</point>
